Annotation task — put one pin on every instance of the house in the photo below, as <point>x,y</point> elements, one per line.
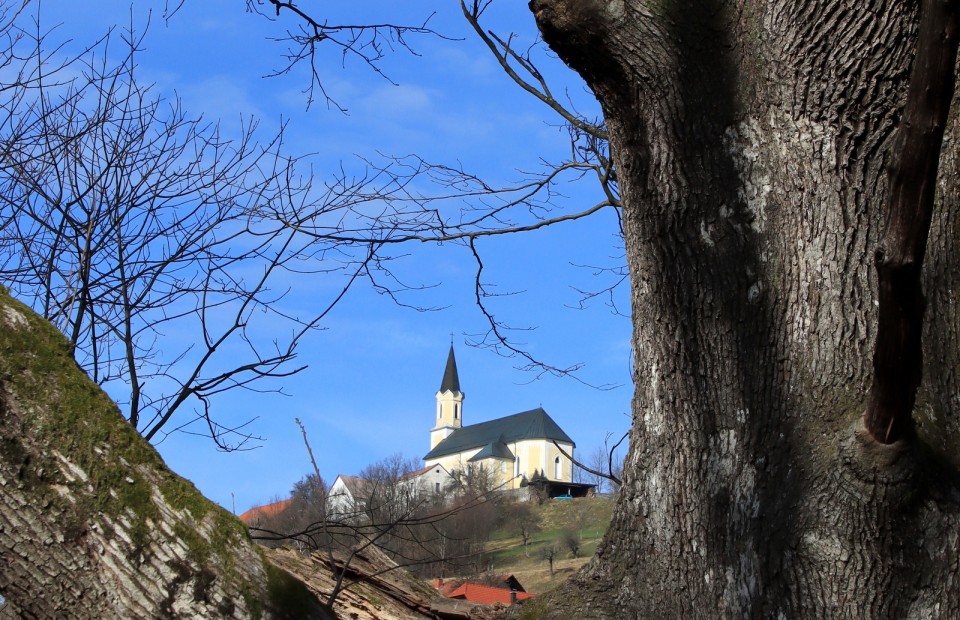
<point>510,450</point>
<point>488,595</point>
<point>348,496</point>
<point>507,590</point>
<point>353,496</point>
<point>430,482</point>
<point>510,582</point>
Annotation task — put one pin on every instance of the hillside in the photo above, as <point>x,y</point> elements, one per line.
<point>587,518</point>
<point>385,593</point>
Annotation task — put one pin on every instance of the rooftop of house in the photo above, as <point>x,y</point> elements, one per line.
<point>479,593</point>
<point>504,582</point>
<point>358,487</point>
<point>420,472</point>
<point>533,424</point>
<point>267,511</point>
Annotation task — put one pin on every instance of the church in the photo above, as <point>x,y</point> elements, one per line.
<point>511,450</point>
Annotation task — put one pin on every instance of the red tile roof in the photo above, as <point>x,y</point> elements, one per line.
<point>487,595</point>
<point>446,587</point>
<point>251,516</point>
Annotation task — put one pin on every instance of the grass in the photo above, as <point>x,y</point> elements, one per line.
<point>587,518</point>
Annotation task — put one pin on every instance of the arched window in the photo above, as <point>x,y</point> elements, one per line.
<point>456,410</point>
<point>516,466</point>
<point>557,468</point>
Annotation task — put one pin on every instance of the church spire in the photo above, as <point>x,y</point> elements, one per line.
<point>449,403</point>
<point>451,380</point>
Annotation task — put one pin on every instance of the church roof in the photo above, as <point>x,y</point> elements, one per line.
<point>451,380</point>
<point>533,424</point>
<point>494,450</point>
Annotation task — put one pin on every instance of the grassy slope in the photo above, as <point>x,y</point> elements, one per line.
<point>588,517</point>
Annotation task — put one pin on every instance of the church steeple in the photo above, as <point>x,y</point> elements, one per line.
<point>451,380</point>
<point>449,403</point>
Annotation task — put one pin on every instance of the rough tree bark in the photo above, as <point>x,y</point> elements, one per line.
<point>752,140</point>
<point>92,524</point>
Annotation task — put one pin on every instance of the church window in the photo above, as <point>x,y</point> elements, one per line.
<point>516,466</point>
<point>557,468</point>
<point>456,411</point>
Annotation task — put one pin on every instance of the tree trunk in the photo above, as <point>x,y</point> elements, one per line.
<point>92,524</point>
<point>752,141</point>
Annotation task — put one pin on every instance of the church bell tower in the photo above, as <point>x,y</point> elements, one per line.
<point>449,403</point>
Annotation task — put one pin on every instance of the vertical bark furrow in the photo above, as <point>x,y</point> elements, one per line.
<point>939,398</point>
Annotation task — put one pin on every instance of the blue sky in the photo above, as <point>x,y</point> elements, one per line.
<point>374,369</point>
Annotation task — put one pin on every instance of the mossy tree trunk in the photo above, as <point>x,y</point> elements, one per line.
<point>752,140</point>
<point>92,524</point>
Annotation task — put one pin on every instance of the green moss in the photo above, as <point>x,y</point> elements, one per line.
<point>76,417</point>
<point>198,551</point>
<point>289,597</point>
<point>67,412</point>
<point>226,532</point>
<point>181,495</point>
<point>252,602</point>
<point>374,600</point>
<point>225,529</point>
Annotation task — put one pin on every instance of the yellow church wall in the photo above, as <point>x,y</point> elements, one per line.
<point>566,466</point>
<point>534,459</point>
<point>538,455</point>
<point>535,455</point>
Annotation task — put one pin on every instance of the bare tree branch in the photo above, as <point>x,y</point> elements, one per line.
<point>367,42</point>
<point>126,221</point>
<point>609,474</point>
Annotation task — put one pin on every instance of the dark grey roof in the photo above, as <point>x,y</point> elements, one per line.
<point>451,380</point>
<point>494,450</point>
<point>533,424</point>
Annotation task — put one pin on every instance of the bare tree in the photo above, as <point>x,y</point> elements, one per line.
<point>413,529</point>
<point>439,203</point>
<point>93,524</point>
<point>520,518</point>
<point>139,232</point>
<point>549,553</point>
<point>777,416</point>
<point>316,39</point>
<point>606,463</point>
<point>597,463</point>
<point>571,540</point>
<point>759,148</point>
